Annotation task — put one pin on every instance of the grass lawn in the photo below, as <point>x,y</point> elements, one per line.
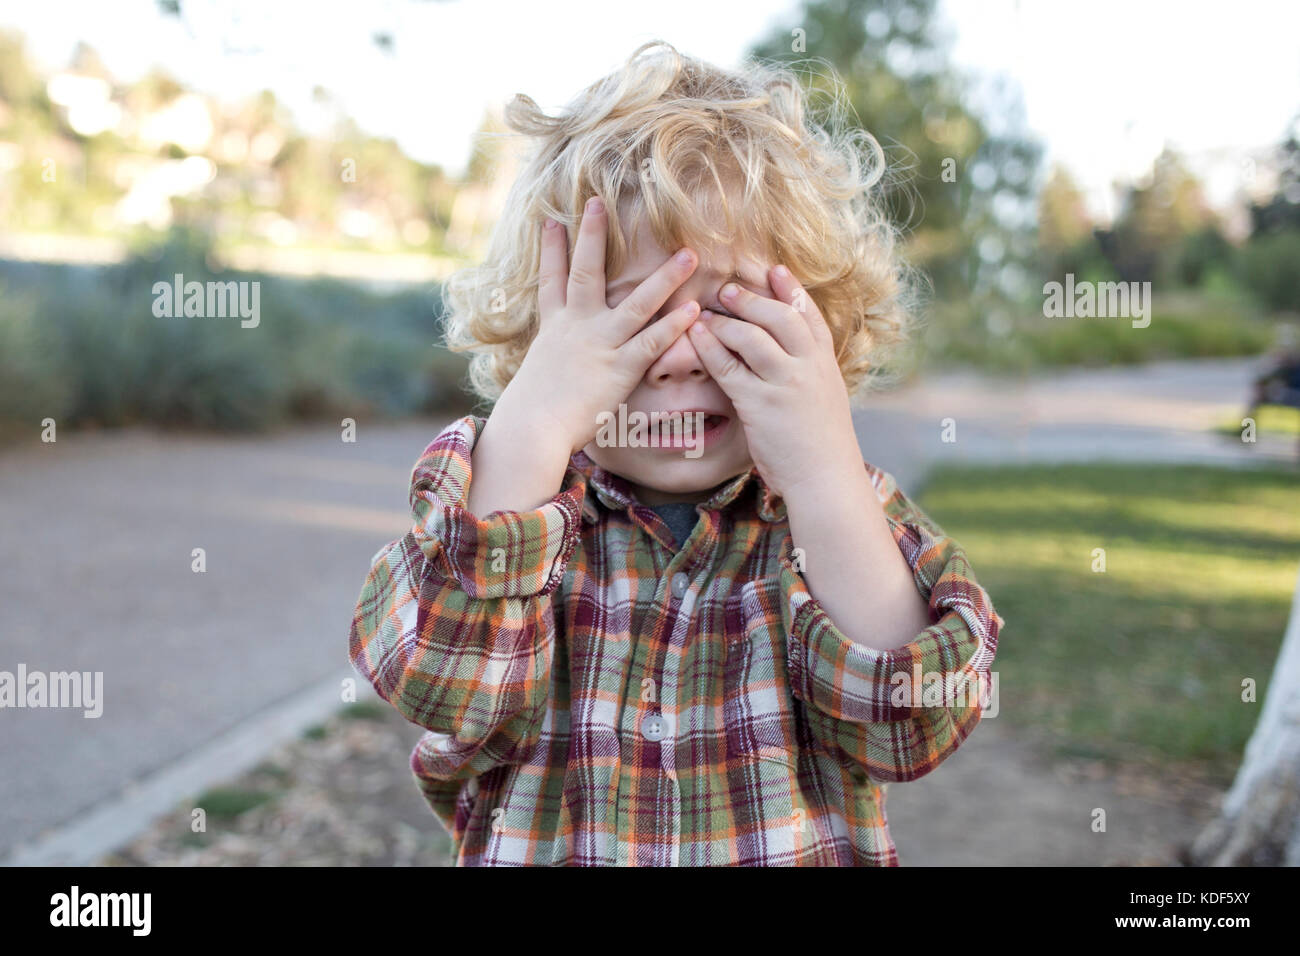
<point>1145,661</point>
<point>1277,420</point>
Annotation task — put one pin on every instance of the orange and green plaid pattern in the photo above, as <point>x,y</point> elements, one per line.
<point>592,696</point>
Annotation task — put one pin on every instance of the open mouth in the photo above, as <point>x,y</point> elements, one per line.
<point>685,429</point>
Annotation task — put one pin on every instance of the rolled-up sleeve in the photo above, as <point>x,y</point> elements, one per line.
<point>454,625</point>
<point>897,714</point>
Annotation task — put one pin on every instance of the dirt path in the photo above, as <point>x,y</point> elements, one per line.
<point>343,795</point>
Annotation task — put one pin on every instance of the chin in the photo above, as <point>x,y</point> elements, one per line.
<point>671,473</point>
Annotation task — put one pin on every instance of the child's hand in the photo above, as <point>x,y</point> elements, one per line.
<point>786,384</point>
<point>587,357</point>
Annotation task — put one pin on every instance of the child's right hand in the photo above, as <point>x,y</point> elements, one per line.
<point>587,357</point>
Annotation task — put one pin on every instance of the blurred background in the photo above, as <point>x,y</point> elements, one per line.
<point>190,505</point>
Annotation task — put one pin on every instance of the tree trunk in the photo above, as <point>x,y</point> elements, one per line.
<point>1259,824</point>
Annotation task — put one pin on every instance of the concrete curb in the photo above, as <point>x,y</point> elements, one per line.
<point>89,836</point>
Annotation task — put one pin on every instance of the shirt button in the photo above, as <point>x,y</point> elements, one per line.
<point>654,727</point>
<point>680,583</point>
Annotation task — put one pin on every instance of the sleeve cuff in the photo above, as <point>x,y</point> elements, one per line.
<point>505,554</point>
<point>946,664</point>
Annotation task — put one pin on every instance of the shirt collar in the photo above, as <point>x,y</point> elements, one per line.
<point>615,492</point>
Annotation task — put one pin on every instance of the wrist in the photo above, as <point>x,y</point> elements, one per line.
<point>538,413</point>
<point>517,463</point>
<point>829,482</point>
<point>527,420</point>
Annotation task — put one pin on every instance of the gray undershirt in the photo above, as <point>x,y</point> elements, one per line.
<point>680,516</point>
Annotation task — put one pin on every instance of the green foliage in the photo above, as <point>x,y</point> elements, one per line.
<point>365,710</point>
<point>32,372</point>
<point>1281,211</point>
<point>1270,266</point>
<point>83,346</point>
<point>1199,326</point>
<point>902,89</point>
<point>1199,254</point>
<point>1158,216</point>
<point>66,182</point>
<point>226,803</point>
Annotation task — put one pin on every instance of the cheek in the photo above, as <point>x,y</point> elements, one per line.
<point>738,442</point>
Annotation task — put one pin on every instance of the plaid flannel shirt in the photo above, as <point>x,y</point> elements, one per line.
<point>592,696</point>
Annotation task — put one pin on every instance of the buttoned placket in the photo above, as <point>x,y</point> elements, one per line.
<point>659,723</point>
<point>683,578</point>
<point>677,598</point>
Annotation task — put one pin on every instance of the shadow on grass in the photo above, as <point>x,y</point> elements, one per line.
<point>1150,659</point>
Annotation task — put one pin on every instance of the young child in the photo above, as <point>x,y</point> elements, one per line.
<point>701,646</point>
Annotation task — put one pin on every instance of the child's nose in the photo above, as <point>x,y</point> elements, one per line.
<point>679,362</point>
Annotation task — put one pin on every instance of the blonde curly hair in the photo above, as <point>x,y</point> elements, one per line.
<point>688,144</point>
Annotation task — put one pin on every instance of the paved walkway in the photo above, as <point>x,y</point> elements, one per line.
<point>100,529</point>
<point>1163,412</point>
<point>99,532</point>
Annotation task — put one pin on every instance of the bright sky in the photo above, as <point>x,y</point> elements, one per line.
<point>1106,83</point>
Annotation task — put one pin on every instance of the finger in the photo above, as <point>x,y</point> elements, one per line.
<point>788,289</point>
<point>772,315</point>
<point>587,272</point>
<point>752,343</point>
<point>653,291</point>
<point>724,367</point>
<point>654,340</point>
<point>552,269</point>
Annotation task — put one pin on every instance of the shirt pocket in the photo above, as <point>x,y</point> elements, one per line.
<point>758,708</point>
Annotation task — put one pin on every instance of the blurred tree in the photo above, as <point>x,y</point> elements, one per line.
<point>1282,211</point>
<point>1156,216</point>
<point>87,61</point>
<point>1270,257</point>
<point>1067,241</point>
<point>20,87</point>
<point>152,91</point>
<point>962,190</point>
<point>1270,268</point>
<point>1063,220</point>
<point>1200,254</point>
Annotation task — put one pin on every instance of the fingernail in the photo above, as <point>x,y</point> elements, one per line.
<point>549,223</point>
<point>730,290</point>
<point>783,272</point>
<point>684,257</point>
<point>594,204</point>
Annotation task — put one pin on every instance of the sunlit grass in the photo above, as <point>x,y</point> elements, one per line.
<point>1277,420</point>
<point>1144,660</point>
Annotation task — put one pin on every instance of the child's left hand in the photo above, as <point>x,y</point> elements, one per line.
<point>786,386</point>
